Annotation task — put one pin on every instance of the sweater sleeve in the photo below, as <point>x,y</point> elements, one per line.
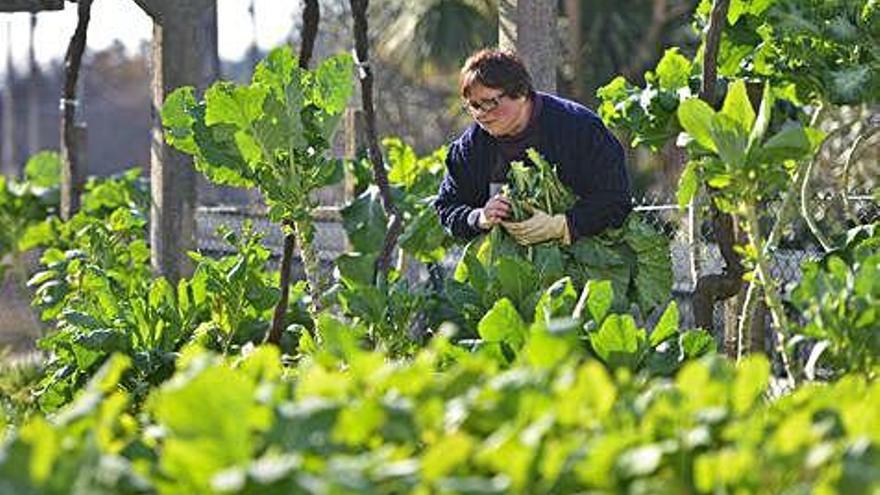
<point>601,182</point>
<point>456,200</point>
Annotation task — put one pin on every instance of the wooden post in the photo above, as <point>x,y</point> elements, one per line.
<point>182,47</point>
<point>33,94</point>
<point>529,28</point>
<point>7,156</point>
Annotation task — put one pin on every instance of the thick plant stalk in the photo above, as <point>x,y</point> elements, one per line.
<point>305,235</point>
<point>395,227</point>
<point>771,295</point>
<point>713,287</point>
<point>311,17</point>
<point>71,169</point>
<point>787,212</point>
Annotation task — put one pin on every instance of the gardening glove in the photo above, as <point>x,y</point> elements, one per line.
<point>541,227</point>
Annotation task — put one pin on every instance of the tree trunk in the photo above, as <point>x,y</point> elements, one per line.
<point>182,48</point>
<point>576,50</point>
<point>73,136</point>
<point>528,27</point>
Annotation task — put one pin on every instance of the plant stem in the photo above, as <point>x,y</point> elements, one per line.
<point>786,214</point>
<point>805,193</point>
<point>771,296</point>
<point>311,17</point>
<point>305,233</point>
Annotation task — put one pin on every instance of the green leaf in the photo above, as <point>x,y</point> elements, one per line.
<point>600,296</point>
<point>516,279</point>
<point>231,104</point>
<point>667,326</point>
<point>752,378</point>
<point>503,324</point>
<point>443,457</point>
<point>38,234</point>
<point>333,83</point>
<point>365,222</point>
<point>730,140</point>
<point>210,421</point>
<point>688,184</point>
<point>756,136</point>
<point>738,107</point>
<point>790,143</point>
<point>673,70</point>
<point>43,169</point>
<point>695,117</point>
<point>178,120</point>
<point>356,268</point>
<point>619,342</point>
<point>403,162</point>
<point>695,343</point>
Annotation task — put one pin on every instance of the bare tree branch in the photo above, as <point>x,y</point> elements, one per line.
<point>383,262</point>
<point>71,180</point>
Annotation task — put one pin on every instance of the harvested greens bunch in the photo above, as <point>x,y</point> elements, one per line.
<point>634,257</point>
<point>536,188</point>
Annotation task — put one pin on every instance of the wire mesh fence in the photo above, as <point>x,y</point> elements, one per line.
<point>691,236</point>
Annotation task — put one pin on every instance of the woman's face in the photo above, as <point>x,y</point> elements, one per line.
<point>497,113</point>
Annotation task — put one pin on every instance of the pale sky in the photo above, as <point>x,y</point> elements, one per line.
<point>123,20</point>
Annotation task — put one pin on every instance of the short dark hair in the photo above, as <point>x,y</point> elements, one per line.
<point>496,68</point>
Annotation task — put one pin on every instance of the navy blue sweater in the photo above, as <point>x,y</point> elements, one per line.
<point>589,160</point>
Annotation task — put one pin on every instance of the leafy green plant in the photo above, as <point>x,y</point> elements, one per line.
<point>396,312</point>
<point>239,292</point>
<point>733,154</point>
<point>273,133</point>
<point>536,187</point>
<point>649,113</point>
<point>838,300</point>
<point>824,50</point>
<point>98,290</point>
<point>449,421</point>
<point>23,207</point>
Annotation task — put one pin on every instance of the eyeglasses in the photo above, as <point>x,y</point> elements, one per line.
<point>485,105</point>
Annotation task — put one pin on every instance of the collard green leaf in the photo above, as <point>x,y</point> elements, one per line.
<point>210,420</point>
<point>738,107</point>
<point>356,268</point>
<point>695,117</point>
<point>557,301</point>
<point>762,122</point>
<point>730,140</point>
<point>424,236</point>
<point>667,326</point>
<point>673,70</point>
<point>790,143</point>
<point>695,343</point>
<point>516,280</point>
<point>228,103</point>
<point>178,119</point>
<point>600,296</point>
<point>752,378</point>
<point>43,169</point>
<point>503,324</point>
<point>688,184</point>
<point>619,342</point>
<point>333,83</point>
<point>365,222</point>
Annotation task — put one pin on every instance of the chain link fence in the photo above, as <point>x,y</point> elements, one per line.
<point>691,236</point>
